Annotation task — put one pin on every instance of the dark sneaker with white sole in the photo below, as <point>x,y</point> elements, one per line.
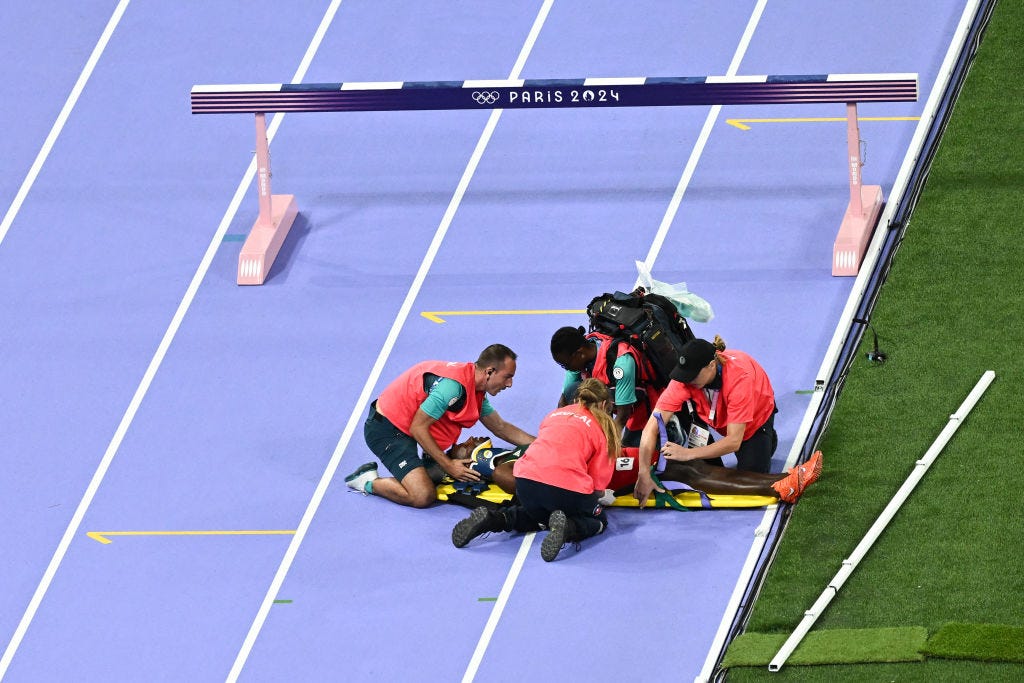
<point>480,521</point>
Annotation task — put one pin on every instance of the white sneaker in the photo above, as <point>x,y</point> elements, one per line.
<point>362,479</point>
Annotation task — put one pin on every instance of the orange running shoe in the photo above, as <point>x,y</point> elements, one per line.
<point>798,479</point>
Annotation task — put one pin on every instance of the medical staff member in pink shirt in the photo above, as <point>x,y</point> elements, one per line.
<point>727,391</point>
<point>560,478</point>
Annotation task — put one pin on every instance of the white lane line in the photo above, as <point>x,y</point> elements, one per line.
<point>499,607</point>
<point>702,139</point>
<point>154,365</point>
<point>5,226</point>
<point>58,126</point>
<point>684,181</point>
<point>358,413</point>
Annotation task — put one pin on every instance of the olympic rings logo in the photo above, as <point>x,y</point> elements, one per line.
<point>486,96</point>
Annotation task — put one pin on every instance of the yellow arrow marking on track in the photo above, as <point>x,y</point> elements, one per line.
<point>101,536</point>
<point>435,316</point>
<point>741,123</point>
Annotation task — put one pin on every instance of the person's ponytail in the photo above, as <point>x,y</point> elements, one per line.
<point>592,394</point>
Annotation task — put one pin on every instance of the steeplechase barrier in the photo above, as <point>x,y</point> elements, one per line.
<point>277,212</point>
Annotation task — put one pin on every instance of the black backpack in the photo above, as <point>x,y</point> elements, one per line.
<point>650,323</point>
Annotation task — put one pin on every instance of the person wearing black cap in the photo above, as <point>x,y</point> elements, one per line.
<point>726,390</point>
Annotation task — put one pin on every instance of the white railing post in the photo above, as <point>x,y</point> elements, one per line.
<point>849,564</point>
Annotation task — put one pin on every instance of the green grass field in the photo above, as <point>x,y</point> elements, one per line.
<point>952,308</point>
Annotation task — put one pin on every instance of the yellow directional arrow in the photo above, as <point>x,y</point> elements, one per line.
<point>741,123</point>
<point>435,316</point>
<point>101,536</point>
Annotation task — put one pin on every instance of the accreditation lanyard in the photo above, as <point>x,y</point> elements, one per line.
<point>712,396</point>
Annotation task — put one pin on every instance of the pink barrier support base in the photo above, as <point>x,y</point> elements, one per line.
<point>855,232</point>
<point>265,240</point>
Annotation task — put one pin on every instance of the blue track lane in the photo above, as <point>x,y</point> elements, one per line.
<point>241,420</point>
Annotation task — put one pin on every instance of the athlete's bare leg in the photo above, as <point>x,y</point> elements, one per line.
<point>720,480</point>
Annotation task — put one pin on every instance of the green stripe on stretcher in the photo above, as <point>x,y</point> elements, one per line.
<point>665,498</point>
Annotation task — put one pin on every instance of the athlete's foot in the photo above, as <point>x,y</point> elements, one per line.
<point>798,479</point>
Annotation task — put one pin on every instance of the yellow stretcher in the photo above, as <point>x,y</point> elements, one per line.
<point>683,499</point>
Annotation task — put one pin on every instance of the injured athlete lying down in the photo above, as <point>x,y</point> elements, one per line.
<point>495,464</point>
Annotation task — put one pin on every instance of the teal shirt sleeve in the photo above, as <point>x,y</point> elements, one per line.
<point>445,392</point>
<point>571,377</point>
<point>625,385</point>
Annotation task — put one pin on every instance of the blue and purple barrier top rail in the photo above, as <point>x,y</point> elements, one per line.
<point>545,94</point>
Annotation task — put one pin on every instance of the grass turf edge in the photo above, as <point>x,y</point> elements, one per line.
<point>981,642</point>
<point>954,640</point>
<point>831,646</point>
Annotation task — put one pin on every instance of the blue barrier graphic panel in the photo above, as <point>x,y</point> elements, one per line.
<point>544,94</point>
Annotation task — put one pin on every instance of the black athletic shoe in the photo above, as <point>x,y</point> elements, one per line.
<point>561,530</point>
<point>480,521</point>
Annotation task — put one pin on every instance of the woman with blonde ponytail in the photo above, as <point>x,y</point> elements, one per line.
<point>560,478</point>
<point>593,395</point>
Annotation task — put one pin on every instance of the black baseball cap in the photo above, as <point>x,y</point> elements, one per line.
<point>693,357</point>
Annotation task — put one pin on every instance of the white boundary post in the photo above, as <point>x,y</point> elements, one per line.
<point>849,564</point>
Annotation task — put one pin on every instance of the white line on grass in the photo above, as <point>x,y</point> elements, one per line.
<point>364,397</point>
<point>58,126</point>
<point>154,365</point>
